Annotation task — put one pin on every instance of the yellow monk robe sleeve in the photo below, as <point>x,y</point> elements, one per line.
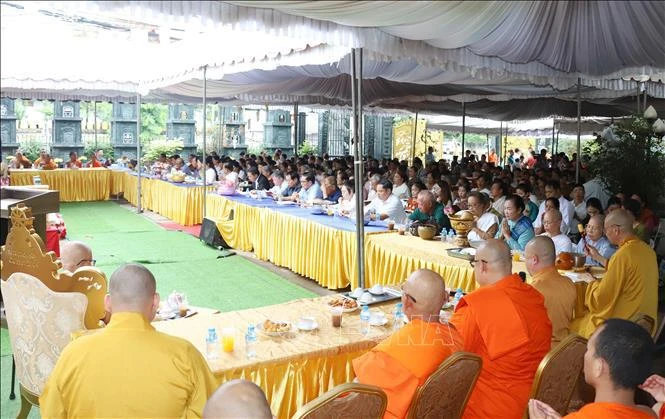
<point>381,370</point>
<point>602,295</point>
<point>204,382</point>
<point>51,403</point>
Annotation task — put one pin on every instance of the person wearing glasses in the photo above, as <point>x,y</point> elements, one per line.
<point>595,245</point>
<point>505,322</point>
<point>406,359</point>
<point>76,254</point>
<point>630,285</point>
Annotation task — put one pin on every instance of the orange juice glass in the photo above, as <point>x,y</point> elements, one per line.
<point>228,339</point>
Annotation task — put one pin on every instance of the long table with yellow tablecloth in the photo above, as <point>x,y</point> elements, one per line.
<point>74,185</point>
<point>390,258</point>
<point>319,247</point>
<point>293,369</point>
<point>181,203</point>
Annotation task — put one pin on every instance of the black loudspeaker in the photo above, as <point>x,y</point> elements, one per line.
<point>210,235</point>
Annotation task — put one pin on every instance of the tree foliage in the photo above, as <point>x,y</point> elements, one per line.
<point>307,148</point>
<point>154,148</point>
<point>633,162</point>
<point>153,121</point>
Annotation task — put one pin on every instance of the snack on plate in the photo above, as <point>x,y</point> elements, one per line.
<point>345,303</point>
<point>274,327</point>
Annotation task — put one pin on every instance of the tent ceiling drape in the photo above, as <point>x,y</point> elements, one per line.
<point>494,56</point>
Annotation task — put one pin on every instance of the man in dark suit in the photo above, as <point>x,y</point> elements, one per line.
<point>257,181</point>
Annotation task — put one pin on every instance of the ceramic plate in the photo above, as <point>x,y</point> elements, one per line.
<point>259,327</point>
<point>307,328</point>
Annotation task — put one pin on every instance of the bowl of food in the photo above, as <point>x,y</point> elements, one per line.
<point>347,305</point>
<point>426,232</point>
<point>274,328</point>
<point>565,261</point>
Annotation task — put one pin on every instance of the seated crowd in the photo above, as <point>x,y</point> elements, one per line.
<point>529,206</point>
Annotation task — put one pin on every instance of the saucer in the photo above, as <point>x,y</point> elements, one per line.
<point>306,328</point>
<point>375,322</point>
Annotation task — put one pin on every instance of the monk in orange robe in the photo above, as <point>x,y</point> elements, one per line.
<point>406,359</point>
<point>618,358</point>
<point>505,322</point>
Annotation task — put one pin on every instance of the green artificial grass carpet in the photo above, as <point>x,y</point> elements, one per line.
<point>179,261</point>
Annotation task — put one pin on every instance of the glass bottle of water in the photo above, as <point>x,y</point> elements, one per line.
<point>364,320</point>
<point>250,341</point>
<point>212,344</point>
<point>398,317</point>
<point>458,296</point>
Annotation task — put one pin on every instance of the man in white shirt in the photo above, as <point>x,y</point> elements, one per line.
<point>552,223</point>
<point>310,189</point>
<point>386,205</point>
<point>567,209</point>
<point>280,185</point>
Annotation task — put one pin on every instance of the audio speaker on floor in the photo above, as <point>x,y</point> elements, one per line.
<point>210,235</point>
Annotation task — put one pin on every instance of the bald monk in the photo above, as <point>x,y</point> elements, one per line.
<point>238,399</point>
<point>406,359</point>
<point>630,285</point>
<point>559,291</point>
<point>128,369</point>
<point>74,255</point>
<point>619,357</point>
<point>505,322</point>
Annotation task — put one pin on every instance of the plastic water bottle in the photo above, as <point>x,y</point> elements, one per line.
<point>458,296</point>
<point>444,234</point>
<point>364,320</point>
<point>398,317</point>
<point>212,344</point>
<point>451,236</point>
<point>250,341</point>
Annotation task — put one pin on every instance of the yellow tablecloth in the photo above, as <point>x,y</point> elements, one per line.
<point>74,185</point>
<point>325,254</point>
<point>390,258</point>
<point>291,370</point>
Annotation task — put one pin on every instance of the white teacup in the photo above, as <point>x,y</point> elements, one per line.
<point>366,297</point>
<point>376,289</point>
<point>357,293</point>
<point>306,323</point>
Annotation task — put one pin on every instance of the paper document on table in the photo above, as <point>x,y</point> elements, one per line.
<point>579,276</point>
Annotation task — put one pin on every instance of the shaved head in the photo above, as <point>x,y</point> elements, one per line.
<point>74,255</point>
<point>429,291</point>
<point>622,218</point>
<point>238,399</point>
<point>541,247</point>
<point>133,288</point>
<point>493,262</point>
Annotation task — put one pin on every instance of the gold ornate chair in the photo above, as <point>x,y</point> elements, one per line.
<point>44,306</point>
<point>558,373</point>
<point>350,400</point>
<point>646,321</point>
<point>447,390</point>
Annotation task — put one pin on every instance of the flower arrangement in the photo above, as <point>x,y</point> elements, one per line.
<point>57,160</point>
<point>83,158</point>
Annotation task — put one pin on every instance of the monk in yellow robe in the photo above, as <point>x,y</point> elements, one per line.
<point>405,360</point>
<point>559,291</point>
<point>630,285</point>
<point>505,322</point>
<point>128,369</point>
<point>618,359</point>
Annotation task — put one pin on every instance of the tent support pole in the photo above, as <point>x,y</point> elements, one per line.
<point>553,128</point>
<point>638,98</point>
<point>95,125</point>
<point>356,99</point>
<point>487,141</point>
<point>139,164</point>
<point>413,139</point>
<point>295,129</point>
<point>579,130</point>
<point>463,126</point>
<point>644,104</point>
<point>205,117</point>
<point>503,147</point>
